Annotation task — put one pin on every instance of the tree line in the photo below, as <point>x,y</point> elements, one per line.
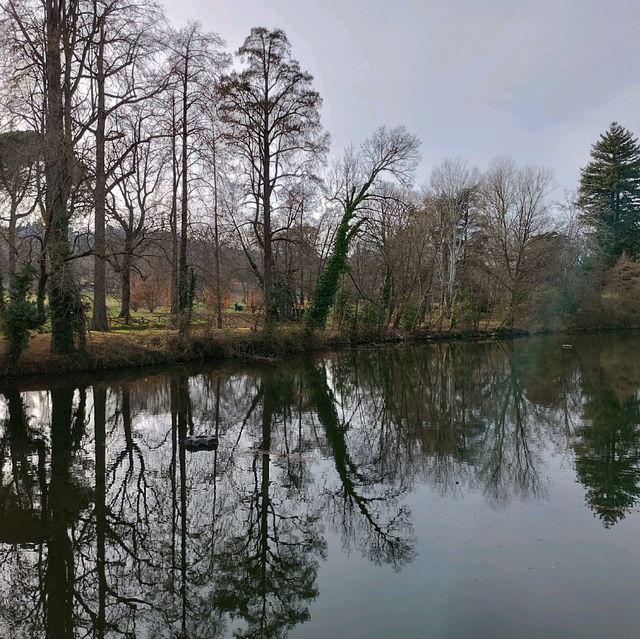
<point>146,163</point>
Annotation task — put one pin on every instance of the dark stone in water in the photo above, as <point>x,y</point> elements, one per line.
<point>201,442</point>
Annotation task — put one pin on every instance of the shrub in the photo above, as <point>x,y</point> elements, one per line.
<point>409,316</point>
<point>20,314</point>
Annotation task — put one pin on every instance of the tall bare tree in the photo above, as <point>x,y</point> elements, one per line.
<point>52,43</point>
<point>136,199</point>
<point>453,192</point>
<point>126,36</point>
<point>273,115</point>
<point>197,59</point>
<point>515,223</point>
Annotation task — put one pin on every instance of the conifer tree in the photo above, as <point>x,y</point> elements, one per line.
<point>609,193</point>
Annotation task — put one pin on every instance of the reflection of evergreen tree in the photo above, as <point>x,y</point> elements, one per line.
<point>608,455</point>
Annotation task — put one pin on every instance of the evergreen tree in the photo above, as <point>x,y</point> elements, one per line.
<point>609,193</point>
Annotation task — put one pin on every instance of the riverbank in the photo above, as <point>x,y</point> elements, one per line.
<point>119,349</point>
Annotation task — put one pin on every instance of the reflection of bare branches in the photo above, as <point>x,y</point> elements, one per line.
<point>361,513</point>
<point>507,463</point>
<point>269,565</point>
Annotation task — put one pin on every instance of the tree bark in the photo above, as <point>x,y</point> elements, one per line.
<point>216,236</point>
<point>64,299</point>
<point>12,238</point>
<point>173,220</point>
<point>183,279</point>
<point>125,279</point>
<point>99,321</point>
<point>267,249</point>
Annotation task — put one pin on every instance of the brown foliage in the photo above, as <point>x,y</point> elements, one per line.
<point>150,292</point>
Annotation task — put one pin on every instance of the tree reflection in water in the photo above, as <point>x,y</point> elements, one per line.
<point>109,527</point>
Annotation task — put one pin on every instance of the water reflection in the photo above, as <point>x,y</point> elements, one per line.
<point>109,527</point>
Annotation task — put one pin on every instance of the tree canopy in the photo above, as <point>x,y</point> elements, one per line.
<point>609,193</point>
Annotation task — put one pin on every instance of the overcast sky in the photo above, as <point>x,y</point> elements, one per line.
<point>534,80</point>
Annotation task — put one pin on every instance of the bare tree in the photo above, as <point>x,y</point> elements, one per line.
<point>453,189</point>
<point>136,198</point>
<point>62,33</point>
<point>515,222</point>
<point>125,37</point>
<point>52,42</point>
<point>385,247</point>
<point>196,61</point>
<point>273,115</point>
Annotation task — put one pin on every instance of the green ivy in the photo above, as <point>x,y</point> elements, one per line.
<point>20,314</point>
<point>329,280</point>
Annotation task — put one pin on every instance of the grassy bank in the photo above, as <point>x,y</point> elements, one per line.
<point>151,347</point>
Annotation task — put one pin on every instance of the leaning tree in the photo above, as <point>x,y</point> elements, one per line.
<point>391,153</point>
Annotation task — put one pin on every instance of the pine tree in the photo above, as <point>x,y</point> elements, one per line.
<point>609,193</point>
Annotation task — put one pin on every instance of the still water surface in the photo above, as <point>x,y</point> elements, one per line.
<point>445,490</point>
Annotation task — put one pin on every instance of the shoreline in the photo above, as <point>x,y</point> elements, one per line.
<point>121,350</point>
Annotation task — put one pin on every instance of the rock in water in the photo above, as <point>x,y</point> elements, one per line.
<point>201,442</point>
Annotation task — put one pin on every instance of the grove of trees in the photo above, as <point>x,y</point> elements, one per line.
<point>144,166</point>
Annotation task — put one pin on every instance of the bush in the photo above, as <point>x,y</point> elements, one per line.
<point>409,316</point>
<point>344,308</point>
<point>20,314</point>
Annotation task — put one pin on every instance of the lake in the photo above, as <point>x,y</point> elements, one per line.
<point>448,490</point>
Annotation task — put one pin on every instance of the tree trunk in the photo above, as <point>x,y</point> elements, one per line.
<point>216,237</point>
<point>329,280</point>
<point>99,417</point>
<point>12,239</point>
<point>42,286</point>
<point>64,300</point>
<point>173,219</point>
<point>125,279</point>
<point>99,321</point>
<point>267,250</point>
<point>183,279</point>
<point>60,574</point>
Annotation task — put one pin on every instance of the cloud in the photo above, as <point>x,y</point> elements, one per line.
<point>536,80</point>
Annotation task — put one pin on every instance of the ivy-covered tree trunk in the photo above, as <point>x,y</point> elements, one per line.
<point>67,317</point>
<point>329,279</point>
